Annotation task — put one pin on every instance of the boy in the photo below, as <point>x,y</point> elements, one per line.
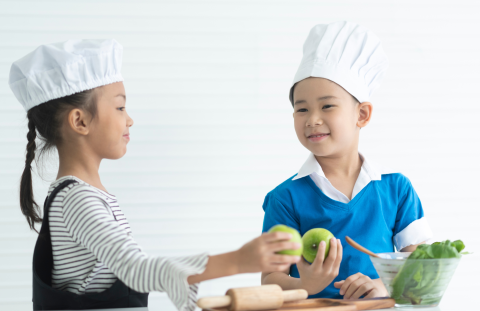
<point>337,188</point>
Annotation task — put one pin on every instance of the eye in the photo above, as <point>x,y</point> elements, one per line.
<point>302,110</point>
<point>121,108</point>
<point>327,106</point>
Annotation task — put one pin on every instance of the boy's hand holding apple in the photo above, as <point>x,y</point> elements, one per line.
<point>260,254</point>
<point>316,277</point>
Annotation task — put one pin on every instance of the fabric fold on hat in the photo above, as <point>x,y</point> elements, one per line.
<point>345,53</point>
<point>60,69</point>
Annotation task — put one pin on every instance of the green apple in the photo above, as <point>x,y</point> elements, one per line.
<point>311,242</point>
<point>296,237</point>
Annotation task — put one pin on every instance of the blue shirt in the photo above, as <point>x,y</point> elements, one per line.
<point>372,218</point>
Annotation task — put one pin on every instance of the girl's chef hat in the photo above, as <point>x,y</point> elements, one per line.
<point>345,53</point>
<point>60,69</point>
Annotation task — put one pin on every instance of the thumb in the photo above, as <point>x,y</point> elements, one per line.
<point>338,284</point>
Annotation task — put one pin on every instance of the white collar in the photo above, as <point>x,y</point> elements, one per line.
<point>374,171</point>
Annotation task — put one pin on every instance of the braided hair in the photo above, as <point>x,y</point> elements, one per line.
<point>46,119</point>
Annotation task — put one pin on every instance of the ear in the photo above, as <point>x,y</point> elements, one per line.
<point>79,121</point>
<point>364,114</point>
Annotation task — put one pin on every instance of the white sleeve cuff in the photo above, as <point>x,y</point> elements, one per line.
<point>416,232</point>
<point>183,295</point>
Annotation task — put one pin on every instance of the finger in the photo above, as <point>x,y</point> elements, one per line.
<point>348,282</point>
<point>332,254</point>
<point>318,261</point>
<point>283,259</point>
<point>362,290</point>
<point>355,286</point>
<point>280,246</point>
<point>276,236</point>
<point>373,294</point>
<point>338,260</point>
<point>338,284</point>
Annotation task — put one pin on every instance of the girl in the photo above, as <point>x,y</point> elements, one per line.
<point>85,256</point>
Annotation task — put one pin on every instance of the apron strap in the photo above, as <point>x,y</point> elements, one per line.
<point>43,259</point>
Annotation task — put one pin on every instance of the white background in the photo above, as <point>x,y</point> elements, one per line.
<point>207,85</point>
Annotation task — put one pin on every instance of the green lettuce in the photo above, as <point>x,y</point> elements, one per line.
<point>418,278</point>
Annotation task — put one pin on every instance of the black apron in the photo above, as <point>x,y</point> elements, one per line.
<point>47,298</point>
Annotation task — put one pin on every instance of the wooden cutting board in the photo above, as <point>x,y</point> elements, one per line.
<point>323,304</point>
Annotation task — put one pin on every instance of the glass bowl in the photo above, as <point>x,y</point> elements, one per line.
<point>421,283</point>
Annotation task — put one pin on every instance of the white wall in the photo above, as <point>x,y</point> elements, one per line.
<point>207,85</point>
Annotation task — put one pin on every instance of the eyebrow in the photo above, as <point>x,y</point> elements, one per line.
<point>123,95</point>
<point>302,101</point>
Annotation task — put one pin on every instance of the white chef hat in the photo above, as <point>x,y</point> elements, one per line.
<point>345,53</point>
<point>60,69</point>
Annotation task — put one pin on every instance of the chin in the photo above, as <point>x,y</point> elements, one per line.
<point>320,153</point>
<point>317,150</point>
<point>117,155</point>
<point>122,154</point>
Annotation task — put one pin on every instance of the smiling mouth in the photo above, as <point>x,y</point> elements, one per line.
<point>317,135</point>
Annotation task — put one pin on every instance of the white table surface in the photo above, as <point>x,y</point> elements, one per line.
<point>460,296</point>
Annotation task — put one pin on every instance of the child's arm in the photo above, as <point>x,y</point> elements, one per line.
<point>315,277</point>
<point>411,248</point>
<point>93,226</point>
<point>257,255</point>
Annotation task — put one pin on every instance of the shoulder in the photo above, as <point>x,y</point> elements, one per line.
<point>396,179</point>
<point>287,191</point>
<point>290,185</point>
<point>76,194</point>
<point>81,190</point>
<point>396,182</point>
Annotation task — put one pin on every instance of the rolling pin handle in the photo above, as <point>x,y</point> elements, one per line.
<point>294,294</point>
<point>214,302</point>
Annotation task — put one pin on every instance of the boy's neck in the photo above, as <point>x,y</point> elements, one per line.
<point>81,163</point>
<point>346,165</point>
<point>342,170</point>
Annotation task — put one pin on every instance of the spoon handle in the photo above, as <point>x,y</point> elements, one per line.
<point>360,247</point>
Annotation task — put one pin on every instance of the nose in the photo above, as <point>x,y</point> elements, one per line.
<point>129,121</point>
<point>314,119</point>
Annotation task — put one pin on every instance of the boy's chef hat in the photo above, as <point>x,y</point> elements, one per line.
<point>345,53</point>
<point>60,69</point>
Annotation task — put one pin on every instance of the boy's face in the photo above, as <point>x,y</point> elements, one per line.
<point>327,118</point>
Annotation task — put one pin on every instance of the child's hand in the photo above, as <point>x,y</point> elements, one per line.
<point>315,277</point>
<point>259,255</point>
<point>358,285</point>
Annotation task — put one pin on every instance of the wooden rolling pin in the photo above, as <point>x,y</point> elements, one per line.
<point>253,298</point>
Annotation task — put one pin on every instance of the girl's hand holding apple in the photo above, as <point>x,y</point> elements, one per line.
<point>317,276</point>
<point>259,255</point>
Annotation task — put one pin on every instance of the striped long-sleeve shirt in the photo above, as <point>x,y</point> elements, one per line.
<point>93,246</point>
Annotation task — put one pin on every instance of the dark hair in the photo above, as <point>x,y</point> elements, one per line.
<point>46,119</point>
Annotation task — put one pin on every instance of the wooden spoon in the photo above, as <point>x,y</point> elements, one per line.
<point>360,247</point>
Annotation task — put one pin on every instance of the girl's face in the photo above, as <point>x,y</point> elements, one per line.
<point>326,117</point>
<point>109,134</point>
